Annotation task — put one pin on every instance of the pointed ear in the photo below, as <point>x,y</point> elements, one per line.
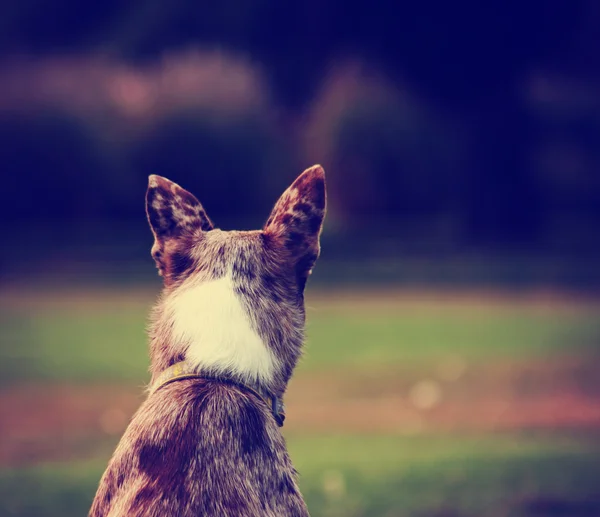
<point>297,219</point>
<point>173,214</point>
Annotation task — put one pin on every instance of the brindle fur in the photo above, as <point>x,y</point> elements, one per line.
<point>202,447</point>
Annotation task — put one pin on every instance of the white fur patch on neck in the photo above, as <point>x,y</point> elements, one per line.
<point>210,317</point>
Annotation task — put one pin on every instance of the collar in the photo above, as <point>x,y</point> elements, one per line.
<point>182,370</point>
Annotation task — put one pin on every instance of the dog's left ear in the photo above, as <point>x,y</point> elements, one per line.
<point>174,214</point>
<point>297,220</point>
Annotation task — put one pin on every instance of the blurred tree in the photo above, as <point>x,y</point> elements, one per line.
<point>458,52</point>
<point>467,57</point>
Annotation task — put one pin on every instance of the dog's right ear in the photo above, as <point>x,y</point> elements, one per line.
<point>297,220</point>
<point>173,214</point>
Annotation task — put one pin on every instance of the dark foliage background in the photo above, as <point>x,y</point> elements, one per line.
<point>462,127</point>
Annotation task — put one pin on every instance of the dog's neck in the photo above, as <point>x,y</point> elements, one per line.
<point>206,324</point>
<point>182,371</point>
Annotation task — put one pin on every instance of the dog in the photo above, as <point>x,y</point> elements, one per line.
<point>225,336</point>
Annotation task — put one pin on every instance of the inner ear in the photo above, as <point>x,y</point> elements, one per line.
<point>304,268</point>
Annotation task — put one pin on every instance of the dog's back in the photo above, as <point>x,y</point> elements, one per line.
<point>224,340</point>
<point>200,448</point>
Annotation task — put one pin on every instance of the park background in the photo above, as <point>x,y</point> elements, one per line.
<point>453,337</point>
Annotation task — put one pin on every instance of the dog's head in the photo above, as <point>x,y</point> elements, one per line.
<point>234,301</point>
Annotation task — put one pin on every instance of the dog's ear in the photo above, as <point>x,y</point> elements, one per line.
<point>174,214</point>
<point>297,219</point>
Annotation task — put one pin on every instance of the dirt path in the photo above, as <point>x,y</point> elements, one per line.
<point>63,422</point>
<point>335,298</point>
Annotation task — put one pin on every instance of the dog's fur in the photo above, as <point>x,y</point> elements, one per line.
<point>232,306</point>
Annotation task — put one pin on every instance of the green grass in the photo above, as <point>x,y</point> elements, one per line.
<point>356,476</point>
<point>74,344</point>
<point>108,341</point>
<point>425,475</point>
<point>343,475</point>
<point>352,340</point>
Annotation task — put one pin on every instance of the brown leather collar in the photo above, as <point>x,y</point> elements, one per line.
<point>182,370</point>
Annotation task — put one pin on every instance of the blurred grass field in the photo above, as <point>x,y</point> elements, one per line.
<point>389,413</point>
